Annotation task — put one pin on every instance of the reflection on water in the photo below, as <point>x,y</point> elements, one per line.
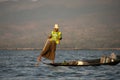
<point>19,65</point>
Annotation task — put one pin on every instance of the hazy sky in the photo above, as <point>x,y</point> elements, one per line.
<point>84,23</point>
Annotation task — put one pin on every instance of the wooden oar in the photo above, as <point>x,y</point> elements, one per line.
<point>38,62</point>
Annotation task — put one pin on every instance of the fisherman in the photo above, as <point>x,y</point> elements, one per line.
<point>113,57</point>
<point>50,45</point>
<point>103,59</point>
<point>107,59</point>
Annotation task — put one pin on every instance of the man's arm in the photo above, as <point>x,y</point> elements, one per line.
<point>60,38</point>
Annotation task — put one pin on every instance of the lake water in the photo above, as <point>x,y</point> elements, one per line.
<point>19,65</point>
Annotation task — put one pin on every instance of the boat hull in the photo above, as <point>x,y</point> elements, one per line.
<point>95,62</point>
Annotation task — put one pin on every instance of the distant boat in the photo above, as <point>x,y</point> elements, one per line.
<point>92,62</point>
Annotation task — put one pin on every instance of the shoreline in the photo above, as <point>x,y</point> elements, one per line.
<point>61,48</point>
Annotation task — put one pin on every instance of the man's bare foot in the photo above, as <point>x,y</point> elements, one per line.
<point>39,59</point>
<point>53,62</point>
<point>37,64</point>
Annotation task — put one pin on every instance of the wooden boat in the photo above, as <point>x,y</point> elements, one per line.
<point>93,62</point>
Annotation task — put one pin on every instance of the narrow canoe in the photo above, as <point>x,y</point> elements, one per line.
<point>93,62</point>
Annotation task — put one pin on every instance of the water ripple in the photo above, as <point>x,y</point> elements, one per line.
<point>20,65</point>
